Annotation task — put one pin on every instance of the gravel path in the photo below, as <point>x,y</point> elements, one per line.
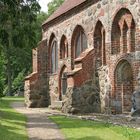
<point>39,127</point>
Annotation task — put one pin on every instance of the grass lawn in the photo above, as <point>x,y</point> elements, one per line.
<point>75,129</point>
<point>12,124</point>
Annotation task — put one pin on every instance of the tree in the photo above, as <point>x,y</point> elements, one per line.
<point>52,6</point>
<point>41,17</point>
<point>20,31</point>
<point>16,29</point>
<point>2,76</point>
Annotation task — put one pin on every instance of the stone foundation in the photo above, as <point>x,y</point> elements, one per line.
<point>36,96</point>
<point>81,100</point>
<point>105,87</point>
<point>136,100</point>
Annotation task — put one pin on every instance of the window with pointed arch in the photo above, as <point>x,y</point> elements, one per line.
<point>123,32</point>
<point>80,42</point>
<point>64,48</point>
<point>99,44</point>
<point>54,56</point>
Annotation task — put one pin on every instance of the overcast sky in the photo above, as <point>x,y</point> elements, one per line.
<point>43,4</point>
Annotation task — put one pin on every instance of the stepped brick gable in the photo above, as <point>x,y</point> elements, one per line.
<point>88,59</point>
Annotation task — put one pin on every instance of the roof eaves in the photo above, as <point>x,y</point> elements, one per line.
<point>50,19</point>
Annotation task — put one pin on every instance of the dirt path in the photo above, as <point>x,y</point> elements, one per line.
<point>39,127</point>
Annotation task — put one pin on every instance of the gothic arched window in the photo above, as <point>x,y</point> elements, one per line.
<point>54,56</point>
<point>123,32</point>
<point>64,48</point>
<point>80,41</point>
<point>99,44</point>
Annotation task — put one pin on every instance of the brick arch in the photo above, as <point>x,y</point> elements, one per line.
<point>52,36</point>
<point>123,83</point>
<point>63,70</point>
<point>99,42</point>
<point>114,68</point>
<point>98,20</point>
<point>123,32</point>
<point>118,10</point>
<point>63,47</point>
<point>75,34</point>
<point>121,59</point>
<point>52,50</point>
<point>121,63</point>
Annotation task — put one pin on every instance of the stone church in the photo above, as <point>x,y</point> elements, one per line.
<point>88,59</point>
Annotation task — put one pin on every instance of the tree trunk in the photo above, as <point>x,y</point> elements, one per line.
<point>9,72</point>
<point>9,76</point>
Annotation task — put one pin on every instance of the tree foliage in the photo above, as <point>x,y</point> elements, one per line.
<point>2,75</point>
<point>20,31</point>
<point>53,5</point>
<point>16,31</point>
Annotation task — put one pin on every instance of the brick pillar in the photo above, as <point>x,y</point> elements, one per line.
<point>34,60</point>
<point>103,46</point>
<point>66,49</point>
<point>129,47</point>
<point>121,40</point>
<point>122,96</point>
<point>42,57</point>
<point>36,84</point>
<point>125,40</point>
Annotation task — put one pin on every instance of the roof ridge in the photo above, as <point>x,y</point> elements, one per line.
<point>65,7</point>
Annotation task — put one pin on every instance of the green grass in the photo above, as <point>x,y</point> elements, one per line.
<point>12,124</point>
<point>76,129</point>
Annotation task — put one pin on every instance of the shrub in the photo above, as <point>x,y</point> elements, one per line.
<point>18,82</point>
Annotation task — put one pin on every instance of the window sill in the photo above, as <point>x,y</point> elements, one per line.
<point>53,74</point>
<point>83,55</point>
<point>63,59</point>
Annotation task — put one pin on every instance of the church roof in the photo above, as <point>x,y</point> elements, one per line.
<point>65,7</point>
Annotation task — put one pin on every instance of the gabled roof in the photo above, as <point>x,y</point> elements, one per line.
<point>65,7</point>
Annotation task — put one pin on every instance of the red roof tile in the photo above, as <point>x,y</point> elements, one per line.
<point>65,7</point>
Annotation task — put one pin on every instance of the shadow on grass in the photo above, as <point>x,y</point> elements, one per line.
<point>9,100</point>
<point>9,133</point>
<point>8,113</point>
<point>12,121</point>
<point>12,124</point>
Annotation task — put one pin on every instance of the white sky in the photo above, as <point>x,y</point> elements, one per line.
<point>43,4</point>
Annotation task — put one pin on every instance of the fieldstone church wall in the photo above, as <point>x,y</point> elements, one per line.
<point>104,75</point>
